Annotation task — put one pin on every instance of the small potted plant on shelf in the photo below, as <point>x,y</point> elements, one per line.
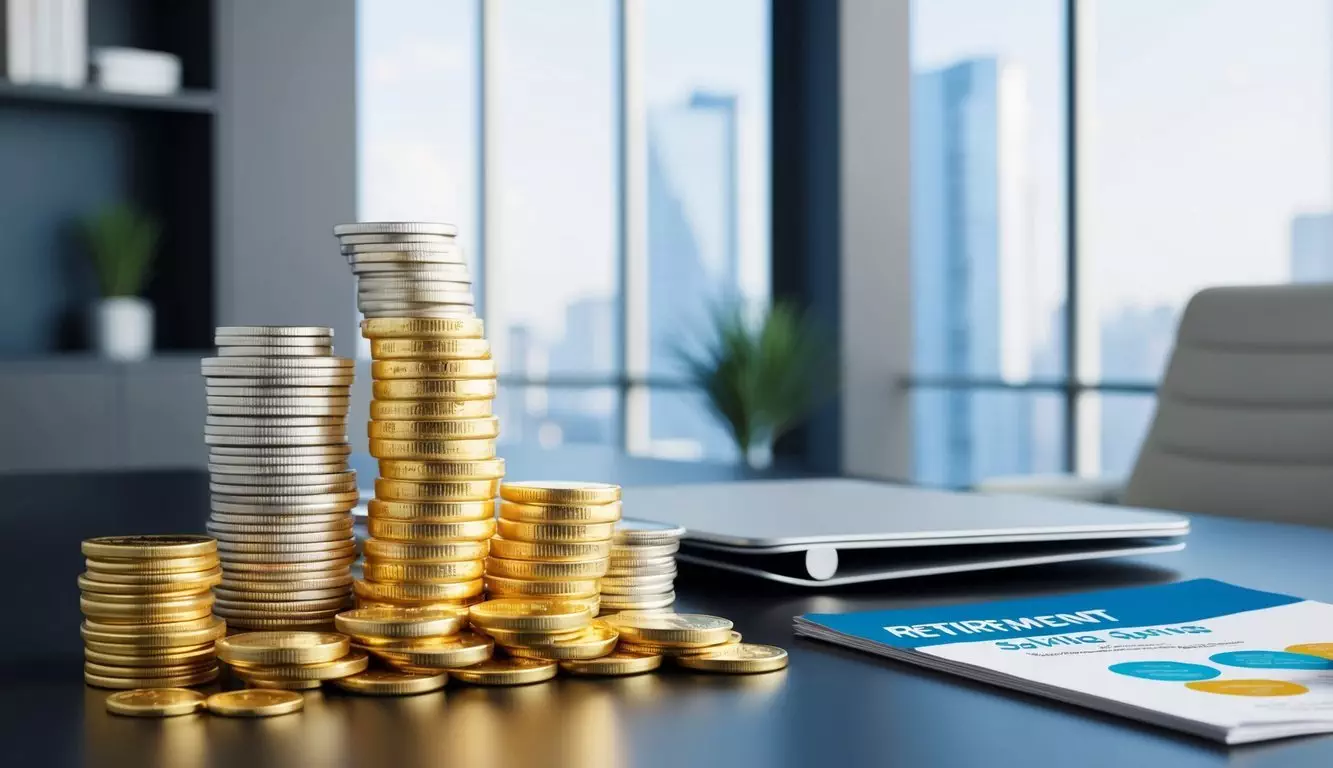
<point>122,242</point>
<point>762,375</point>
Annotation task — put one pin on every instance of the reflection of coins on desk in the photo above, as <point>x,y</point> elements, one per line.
<point>255,702</point>
<point>155,702</point>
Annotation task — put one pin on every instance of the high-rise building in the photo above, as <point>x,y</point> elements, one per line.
<point>971,261</point>
<point>1312,248</point>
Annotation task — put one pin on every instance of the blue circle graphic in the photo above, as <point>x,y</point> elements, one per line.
<point>1271,660</point>
<point>1171,671</point>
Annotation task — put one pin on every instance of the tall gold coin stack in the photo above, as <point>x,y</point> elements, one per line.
<point>553,541</point>
<point>148,611</point>
<point>642,575</point>
<point>431,423</point>
<point>282,493</point>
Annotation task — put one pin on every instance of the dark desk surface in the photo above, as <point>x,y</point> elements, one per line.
<point>831,707</point>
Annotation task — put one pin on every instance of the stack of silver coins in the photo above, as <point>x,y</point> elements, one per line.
<point>642,575</point>
<point>407,269</point>
<point>282,493</point>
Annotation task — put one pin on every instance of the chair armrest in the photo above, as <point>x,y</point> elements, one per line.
<point>1100,490</point>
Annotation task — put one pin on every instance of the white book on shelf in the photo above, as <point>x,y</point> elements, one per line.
<point>73,43</point>
<point>18,40</point>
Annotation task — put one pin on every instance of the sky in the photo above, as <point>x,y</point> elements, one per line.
<point>1207,130</point>
<point>553,190</point>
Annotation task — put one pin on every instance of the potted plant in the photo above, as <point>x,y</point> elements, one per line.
<point>122,242</point>
<point>762,376</point>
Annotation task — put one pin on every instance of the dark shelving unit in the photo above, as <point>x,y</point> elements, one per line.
<point>65,153</point>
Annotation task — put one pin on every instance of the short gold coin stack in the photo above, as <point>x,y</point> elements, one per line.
<point>282,493</point>
<point>535,635</point>
<point>148,611</point>
<point>642,575</point>
<point>290,660</point>
<point>553,541</point>
<point>431,423</point>
<point>420,641</point>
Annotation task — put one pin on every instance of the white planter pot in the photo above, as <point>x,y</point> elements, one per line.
<point>123,328</point>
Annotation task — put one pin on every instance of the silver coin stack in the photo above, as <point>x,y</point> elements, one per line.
<point>407,269</point>
<point>282,493</point>
<point>642,576</point>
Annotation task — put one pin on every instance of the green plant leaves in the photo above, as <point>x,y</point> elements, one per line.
<point>122,243</point>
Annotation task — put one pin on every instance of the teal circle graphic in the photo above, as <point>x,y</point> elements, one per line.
<point>1170,671</point>
<point>1271,660</point>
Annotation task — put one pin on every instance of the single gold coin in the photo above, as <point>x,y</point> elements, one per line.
<point>432,369</point>
<point>155,702</point>
<point>631,532</point>
<point>412,552</point>
<point>345,541</point>
<point>386,682</point>
<point>204,630</point>
<point>538,570</point>
<point>255,702</point>
<point>413,592</point>
<point>429,349</point>
<point>550,551</point>
<point>560,513</point>
<point>511,671</point>
<point>434,389</point>
<point>559,492</point>
<point>431,532</point>
<point>252,681</point>
<point>208,675</point>
<point>429,409</point>
<point>437,511</point>
<point>266,608</point>
<point>675,650</point>
<point>283,622</point>
<point>268,582</point>
<point>282,647</point>
<point>632,603</point>
<point>111,569</point>
<point>166,590</point>
<point>267,570</point>
<point>461,650</point>
<point>316,559</point>
<point>420,327</point>
<point>637,586</point>
<point>616,664</point>
<point>507,638</point>
<point>739,659</point>
<point>148,547</point>
<point>281,593</point>
<point>402,621</point>
<point>431,573</point>
<point>593,642</point>
<point>141,599</point>
<point>121,653</point>
<point>161,671</point>
<point>132,613</point>
<point>437,450</point>
<point>355,661</point>
<point>557,532</point>
<point>485,469</point>
<point>526,615</point>
<point>452,490</point>
<point>482,427</point>
<point>193,657</point>
<point>674,629</point>
<point>462,603</point>
<point>500,586</point>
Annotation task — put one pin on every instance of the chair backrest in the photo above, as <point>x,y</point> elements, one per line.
<point>1244,422</point>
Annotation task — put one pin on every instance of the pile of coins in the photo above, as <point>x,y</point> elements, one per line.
<point>553,541</point>
<point>431,423</point>
<point>290,660</point>
<point>282,493</point>
<point>642,575</point>
<point>412,640</point>
<point>148,611</point>
<point>544,630</point>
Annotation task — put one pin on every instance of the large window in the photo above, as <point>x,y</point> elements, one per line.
<point>608,162</point>
<point>1080,170</point>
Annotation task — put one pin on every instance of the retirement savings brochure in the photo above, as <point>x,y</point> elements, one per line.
<point>1216,660</point>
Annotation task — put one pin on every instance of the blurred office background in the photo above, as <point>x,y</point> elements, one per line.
<point>997,209</point>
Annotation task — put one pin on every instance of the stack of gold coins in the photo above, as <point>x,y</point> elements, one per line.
<point>415,640</point>
<point>676,635</point>
<point>148,611</point>
<point>553,541</point>
<point>291,660</point>
<point>642,574</point>
<point>282,493</point>
<point>431,423</point>
<point>541,630</point>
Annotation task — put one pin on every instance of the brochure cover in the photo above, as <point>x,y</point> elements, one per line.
<point>1213,659</point>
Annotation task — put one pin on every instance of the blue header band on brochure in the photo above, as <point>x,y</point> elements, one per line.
<point>1187,601</point>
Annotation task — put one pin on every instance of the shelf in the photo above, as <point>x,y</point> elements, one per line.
<point>195,101</point>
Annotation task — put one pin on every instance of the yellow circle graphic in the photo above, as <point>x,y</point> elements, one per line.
<point>1249,687</point>
<point>1322,650</point>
